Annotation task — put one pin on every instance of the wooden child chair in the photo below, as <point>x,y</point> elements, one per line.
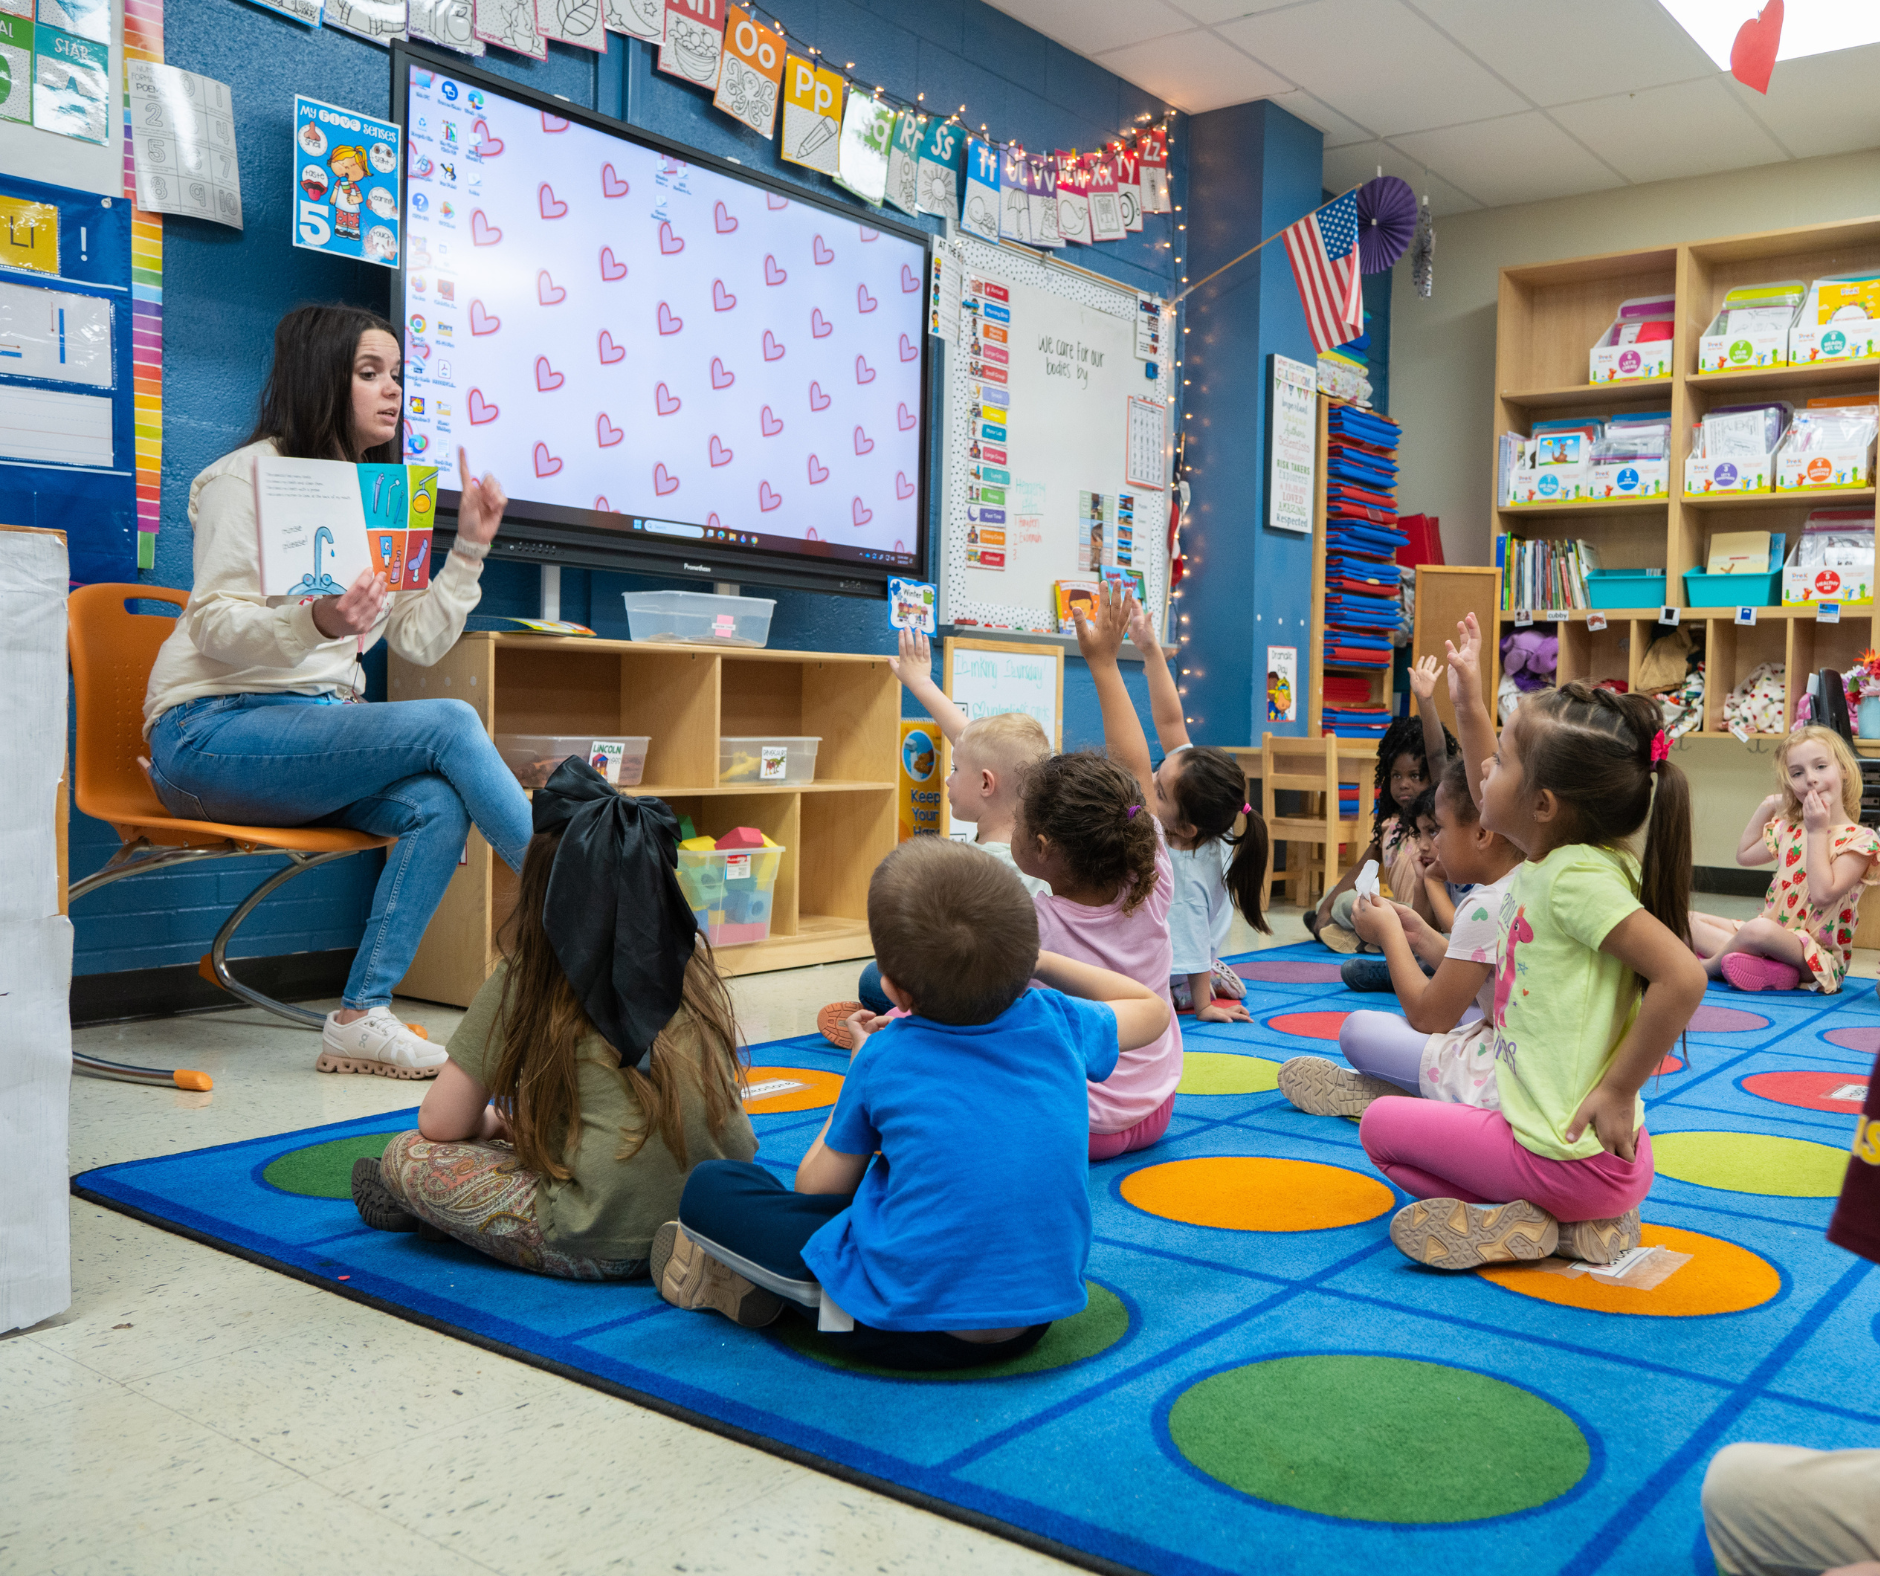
<point>1316,768</point>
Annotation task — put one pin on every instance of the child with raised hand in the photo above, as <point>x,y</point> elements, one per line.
<point>1443,1047</point>
<point>1811,831</point>
<point>1593,983</point>
<point>1199,794</point>
<point>609,1048</point>
<point>970,1230</point>
<point>1084,827</point>
<point>1410,759</point>
<point>989,756</point>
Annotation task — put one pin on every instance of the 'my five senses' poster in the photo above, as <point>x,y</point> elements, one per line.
<point>346,183</point>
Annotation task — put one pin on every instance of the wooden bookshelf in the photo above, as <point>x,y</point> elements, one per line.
<point>1549,316</point>
<point>834,830</point>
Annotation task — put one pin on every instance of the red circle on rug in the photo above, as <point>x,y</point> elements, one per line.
<point>1289,973</point>
<point>1671,1064</point>
<point>1866,1041</point>
<point>1813,1090</point>
<point>1309,1025</point>
<point>1725,1020</point>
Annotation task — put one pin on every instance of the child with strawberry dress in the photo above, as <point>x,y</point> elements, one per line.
<point>1824,857</point>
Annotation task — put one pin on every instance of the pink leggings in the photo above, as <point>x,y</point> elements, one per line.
<point>1431,1149</point>
<point>1107,1146</point>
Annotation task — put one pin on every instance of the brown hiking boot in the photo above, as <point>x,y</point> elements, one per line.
<point>1447,1234</point>
<point>689,1277</point>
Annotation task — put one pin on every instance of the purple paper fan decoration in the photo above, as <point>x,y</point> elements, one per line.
<point>1387,218</point>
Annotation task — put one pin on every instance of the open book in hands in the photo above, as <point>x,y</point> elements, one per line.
<point>323,521</point>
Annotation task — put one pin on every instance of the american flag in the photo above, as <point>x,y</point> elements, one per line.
<point>1323,250</point>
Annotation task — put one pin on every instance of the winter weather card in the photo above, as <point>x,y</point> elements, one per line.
<point>911,605</point>
<point>346,183</point>
<point>751,74</point>
<point>695,38</point>
<point>322,522</point>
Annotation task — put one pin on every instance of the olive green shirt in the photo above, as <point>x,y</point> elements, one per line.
<point>609,1208</point>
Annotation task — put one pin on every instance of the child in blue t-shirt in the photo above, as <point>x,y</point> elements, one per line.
<point>969,1231</point>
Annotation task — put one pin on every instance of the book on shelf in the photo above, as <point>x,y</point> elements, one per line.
<point>1539,573</point>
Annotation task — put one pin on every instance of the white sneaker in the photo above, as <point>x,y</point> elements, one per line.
<point>377,1043</point>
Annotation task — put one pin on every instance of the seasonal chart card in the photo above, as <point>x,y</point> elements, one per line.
<point>346,183</point>
<point>812,101</point>
<point>183,143</point>
<point>750,76</point>
<point>695,38</point>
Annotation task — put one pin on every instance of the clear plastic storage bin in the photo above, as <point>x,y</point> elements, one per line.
<point>767,758</point>
<point>698,617</point>
<point>533,757</point>
<point>731,892</point>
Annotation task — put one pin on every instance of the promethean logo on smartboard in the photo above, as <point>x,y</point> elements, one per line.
<point>699,569</point>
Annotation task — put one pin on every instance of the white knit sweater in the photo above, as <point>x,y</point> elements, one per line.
<point>232,640</point>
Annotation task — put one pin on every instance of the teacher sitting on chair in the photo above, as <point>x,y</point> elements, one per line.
<point>250,711</point>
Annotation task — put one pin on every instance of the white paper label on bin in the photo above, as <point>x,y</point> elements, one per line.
<point>605,756</point>
<point>737,867</point>
<point>775,765</point>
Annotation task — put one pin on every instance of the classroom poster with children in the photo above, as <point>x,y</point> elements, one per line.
<point>346,183</point>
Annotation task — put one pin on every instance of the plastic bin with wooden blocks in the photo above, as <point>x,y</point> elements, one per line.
<point>1315,767</point>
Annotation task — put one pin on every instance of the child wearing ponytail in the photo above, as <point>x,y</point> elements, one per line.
<point>1593,985</point>
<point>1199,794</point>
<point>1084,827</point>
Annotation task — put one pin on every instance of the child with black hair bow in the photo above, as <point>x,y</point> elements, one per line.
<point>596,1066</point>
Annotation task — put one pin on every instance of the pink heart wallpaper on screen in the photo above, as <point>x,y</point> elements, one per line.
<point>605,327</point>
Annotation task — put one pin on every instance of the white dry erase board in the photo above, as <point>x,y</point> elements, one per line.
<point>1048,417</point>
<point>986,677</point>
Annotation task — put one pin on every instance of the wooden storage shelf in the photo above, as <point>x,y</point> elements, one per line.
<point>834,830</point>
<point>1813,498</point>
<point>1549,315</point>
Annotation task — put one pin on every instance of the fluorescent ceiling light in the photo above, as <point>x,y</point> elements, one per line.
<point>1809,27</point>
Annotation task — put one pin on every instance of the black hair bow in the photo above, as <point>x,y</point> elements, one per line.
<point>621,929</point>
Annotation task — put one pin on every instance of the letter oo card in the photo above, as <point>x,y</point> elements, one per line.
<point>751,74</point>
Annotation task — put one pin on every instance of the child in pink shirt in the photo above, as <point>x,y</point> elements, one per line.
<point>1084,827</point>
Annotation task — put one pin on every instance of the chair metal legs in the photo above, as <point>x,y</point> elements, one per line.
<point>218,950</point>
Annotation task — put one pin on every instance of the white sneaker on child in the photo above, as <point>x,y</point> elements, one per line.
<point>377,1043</point>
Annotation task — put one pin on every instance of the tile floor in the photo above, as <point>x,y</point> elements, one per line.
<point>193,1412</point>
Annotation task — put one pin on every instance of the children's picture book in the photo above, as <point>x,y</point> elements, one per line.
<point>1130,580</point>
<point>911,605</point>
<point>1074,597</point>
<point>323,521</point>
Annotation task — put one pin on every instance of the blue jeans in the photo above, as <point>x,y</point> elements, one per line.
<point>421,771</point>
<point>869,992</point>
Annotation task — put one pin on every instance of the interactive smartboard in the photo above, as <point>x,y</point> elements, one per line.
<point>1057,443</point>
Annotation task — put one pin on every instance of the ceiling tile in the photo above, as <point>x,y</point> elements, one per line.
<point>1193,71</point>
<point>1210,11</point>
<point>1819,104</point>
<point>1352,165</point>
<point>1516,158</point>
<point>1374,61</point>
<point>1528,45</point>
<point>1657,134</point>
<point>1092,26</point>
<point>1314,112</point>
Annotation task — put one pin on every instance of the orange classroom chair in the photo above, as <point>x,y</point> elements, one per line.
<point>112,650</point>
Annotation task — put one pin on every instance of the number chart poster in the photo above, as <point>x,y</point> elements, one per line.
<point>345,183</point>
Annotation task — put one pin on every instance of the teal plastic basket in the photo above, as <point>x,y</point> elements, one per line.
<point>1625,587</point>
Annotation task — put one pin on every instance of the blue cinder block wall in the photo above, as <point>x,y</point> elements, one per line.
<point>224,290</point>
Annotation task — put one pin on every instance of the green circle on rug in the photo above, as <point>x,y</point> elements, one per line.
<point>1379,1439</point>
<point>1103,1322</point>
<point>1751,1163</point>
<point>323,1170</point>
<point>1216,1072</point>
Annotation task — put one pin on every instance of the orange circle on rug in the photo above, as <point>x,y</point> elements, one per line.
<point>1309,1025</point>
<point>1254,1193</point>
<point>1845,1093</point>
<point>1721,1278</point>
<point>769,1090</point>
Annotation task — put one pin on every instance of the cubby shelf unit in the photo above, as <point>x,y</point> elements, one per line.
<point>1549,316</point>
<point>834,830</point>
